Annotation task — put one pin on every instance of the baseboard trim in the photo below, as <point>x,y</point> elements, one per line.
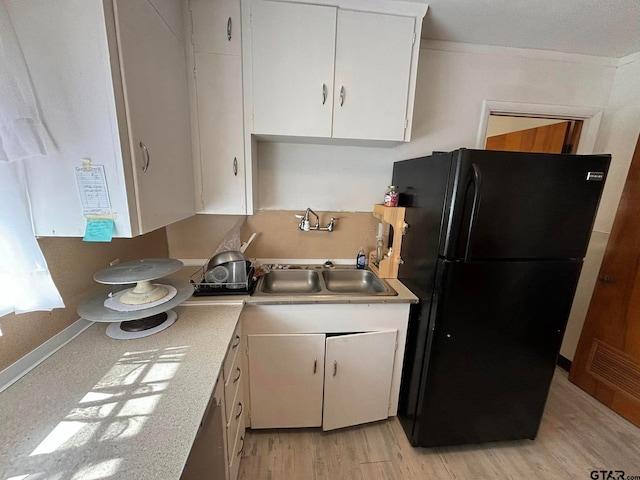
<point>35,357</point>
<point>564,363</point>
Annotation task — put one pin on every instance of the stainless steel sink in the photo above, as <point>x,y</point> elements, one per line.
<point>290,282</point>
<point>318,281</point>
<point>354,281</point>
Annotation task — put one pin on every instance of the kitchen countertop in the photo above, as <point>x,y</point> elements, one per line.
<point>404,294</point>
<point>104,408</point>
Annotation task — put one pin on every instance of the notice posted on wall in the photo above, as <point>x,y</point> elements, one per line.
<point>92,187</point>
<point>96,206</point>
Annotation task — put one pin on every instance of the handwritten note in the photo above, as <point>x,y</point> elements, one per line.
<point>92,186</point>
<point>98,230</point>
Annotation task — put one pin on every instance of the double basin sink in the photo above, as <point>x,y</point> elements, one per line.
<point>322,281</point>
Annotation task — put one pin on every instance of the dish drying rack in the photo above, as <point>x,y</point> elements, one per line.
<point>202,288</point>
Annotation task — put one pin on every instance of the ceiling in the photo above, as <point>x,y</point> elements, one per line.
<point>608,28</point>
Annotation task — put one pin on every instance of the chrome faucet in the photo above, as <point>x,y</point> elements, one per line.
<point>305,224</point>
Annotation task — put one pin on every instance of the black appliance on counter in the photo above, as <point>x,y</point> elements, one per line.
<point>493,250</point>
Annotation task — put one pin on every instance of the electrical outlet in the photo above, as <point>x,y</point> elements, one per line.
<point>114,262</point>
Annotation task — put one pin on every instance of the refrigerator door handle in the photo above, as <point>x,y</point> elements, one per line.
<point>477,183</point>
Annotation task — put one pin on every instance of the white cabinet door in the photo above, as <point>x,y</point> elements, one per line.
<point>293,55</point>
<point>216,26</point>
<point>373,66</point>
<point>358,375</point>
<point>220,131</point>
<point>153,69</point>
<point>285,380</point>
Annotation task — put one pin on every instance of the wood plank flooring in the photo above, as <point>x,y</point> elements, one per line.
<point>577,435</point>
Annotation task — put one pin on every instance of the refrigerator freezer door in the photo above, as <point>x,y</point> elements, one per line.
<point>496,332</point>
<point>510,205</point>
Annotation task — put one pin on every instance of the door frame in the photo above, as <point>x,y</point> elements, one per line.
<point>590,117</point>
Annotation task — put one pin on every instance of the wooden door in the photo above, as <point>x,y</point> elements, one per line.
<point>153,68</point>
<point>607,360</point>
<point>285,380</point>
<point>358,375</point>
<point>547,139</point>
<point>373,66</point>
<point>293,49</point>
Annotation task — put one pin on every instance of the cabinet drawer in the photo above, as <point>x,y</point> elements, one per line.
<point>234,416</point>
<point>234,347</point>
<point>236,453</point>
<point>231,386</point>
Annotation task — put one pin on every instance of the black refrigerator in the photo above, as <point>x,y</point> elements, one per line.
<point>493,249</point>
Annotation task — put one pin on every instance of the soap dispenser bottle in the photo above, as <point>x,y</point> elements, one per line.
<point>361,259</point>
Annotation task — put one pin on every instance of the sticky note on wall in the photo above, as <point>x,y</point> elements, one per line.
<point>99,230</point>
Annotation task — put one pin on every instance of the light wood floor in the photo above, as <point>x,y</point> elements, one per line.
<point>577,435</point>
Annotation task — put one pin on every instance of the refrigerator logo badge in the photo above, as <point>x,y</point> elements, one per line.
<point>595,176</point>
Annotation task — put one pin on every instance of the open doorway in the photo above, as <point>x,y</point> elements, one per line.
<point>532,134</point>
<point>582,141</point>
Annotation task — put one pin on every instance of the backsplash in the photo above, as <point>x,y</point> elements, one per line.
<point>72,264</point>
<point>278,235</point>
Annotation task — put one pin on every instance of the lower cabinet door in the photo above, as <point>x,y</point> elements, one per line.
<point>207,458</point>
<point>358,374</point>
<point>286,375</point>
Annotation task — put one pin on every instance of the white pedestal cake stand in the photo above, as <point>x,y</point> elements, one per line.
<point>145,307</point>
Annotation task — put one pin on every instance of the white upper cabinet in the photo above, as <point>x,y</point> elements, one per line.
<point>293,56</point>
<point>117,96</point>
<point>334,72</point>
<point>216,26</point>
<point>222,173</point>
<point>373,67</point>
<point>153,68</point>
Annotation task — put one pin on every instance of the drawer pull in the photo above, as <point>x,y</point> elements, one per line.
<point>236,342</point>
<point>315,365</point>
<point>335,367</point>
<point>242,446</point>
<point>240,412</point>
<point>145,156</point>
<point>239,374</point>
<point>229,29</point>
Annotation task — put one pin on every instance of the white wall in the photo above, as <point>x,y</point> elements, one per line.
<point>453,80</point>
<point>618,135</point>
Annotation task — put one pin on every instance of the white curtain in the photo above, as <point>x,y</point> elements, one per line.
<point>22,133</point>
<point>25,282</point>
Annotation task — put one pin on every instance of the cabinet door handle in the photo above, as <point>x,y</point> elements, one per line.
<point>335,367</point>
<point>242,446</point>
<point>235,344</point>
<point>324,93</point>
<point>145,156</point>
<point>235,380</point>
<point>229,28</point>
<point>315,365</point>
<point>240,412</point>
<point>235,166</point>
<point>342,95</point>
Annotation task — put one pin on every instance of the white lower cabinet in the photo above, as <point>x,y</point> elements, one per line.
<point>219,443</point>
<point>358,373</point>
<point>286,376</point>
<point>306,367</point>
